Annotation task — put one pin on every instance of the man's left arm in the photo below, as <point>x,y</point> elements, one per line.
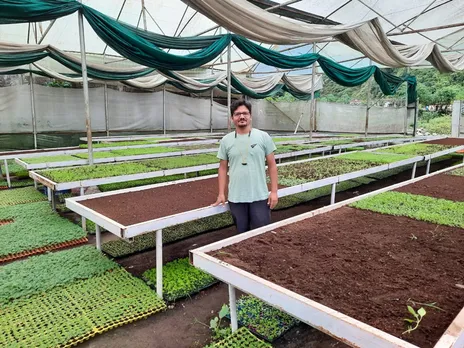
<point>270,147</point>
<point>272,169</point>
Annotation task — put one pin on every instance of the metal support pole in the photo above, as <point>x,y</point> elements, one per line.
<point>229,89</point>
<point>159,263</point>
<point>406,107</point>
<point>83,219</point>
<point>34,120</point>
<point>164,109</point>
<point>98,237</point>
<point>429,162</point>
<point>312,109</point>
<point>211,113</point>
<point>31,85</point>
<point>49,194</point>
<point>414,170</point>
<point>332,195</point>
<point>35,184</point>
<point>7,173</point>
<point>298,124</point>
<point>85,85</point>
<point>144,15</point>
<point>233,308</point>
<point>107,116</point>
<point>53,200</point>
<point>416,110</point>
<point>366,128</point>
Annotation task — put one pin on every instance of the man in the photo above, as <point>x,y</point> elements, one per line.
<point>244,151</point>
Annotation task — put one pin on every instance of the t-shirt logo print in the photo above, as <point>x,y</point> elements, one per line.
<point>253,145</point>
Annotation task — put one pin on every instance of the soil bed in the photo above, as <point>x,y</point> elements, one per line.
<point>140,206</point>
<point>134,207</point>
<point>443,186</point>
<point>365,265</point>
<point>446,141</point>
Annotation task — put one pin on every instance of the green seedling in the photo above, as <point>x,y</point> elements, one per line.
<point>413,323</point>
<point>215,324</point>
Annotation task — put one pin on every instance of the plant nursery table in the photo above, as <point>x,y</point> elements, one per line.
<point>76,150</point>
<point>351,272</point>
<point>131,212</point>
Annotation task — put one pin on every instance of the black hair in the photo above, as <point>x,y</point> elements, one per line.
<point>237,103</point>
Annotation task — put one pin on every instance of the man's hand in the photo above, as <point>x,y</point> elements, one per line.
<point>221,200</point>
<point>272,200</point>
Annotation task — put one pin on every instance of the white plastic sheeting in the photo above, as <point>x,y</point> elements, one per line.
<point>457,123</point>
<point>62,110</point>
<point>330,117</point>
<point>15,109</point>
<point>352,118</point>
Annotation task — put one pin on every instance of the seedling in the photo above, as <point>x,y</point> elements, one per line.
<point>215,324</point>
<point>415,321</point>
<point>413,236</point>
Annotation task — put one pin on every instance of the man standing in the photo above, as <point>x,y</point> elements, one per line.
<point>243,152</point>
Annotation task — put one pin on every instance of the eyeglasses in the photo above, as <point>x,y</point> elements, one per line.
<point>238,114</point>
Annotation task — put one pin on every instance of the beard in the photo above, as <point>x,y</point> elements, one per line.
<point>242,124</point>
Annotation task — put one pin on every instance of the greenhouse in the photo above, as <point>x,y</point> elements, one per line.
<point>232,173</point>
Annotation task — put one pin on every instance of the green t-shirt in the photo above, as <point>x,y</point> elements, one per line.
<point>247,183</point>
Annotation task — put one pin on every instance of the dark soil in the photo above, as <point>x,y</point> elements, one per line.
<point>364,265</point>
<point>444,186</point>
<point>446,141</point>
<point>140,206</point>
<point>134,207</point>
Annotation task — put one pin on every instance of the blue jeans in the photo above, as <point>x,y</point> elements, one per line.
<point>248,216</point>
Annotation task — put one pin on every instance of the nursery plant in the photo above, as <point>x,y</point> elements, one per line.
<point>413,323</point>
<point>424,208</point>
<point>117,169</point>
<point>34,225</point>
<point>49,159</point>
<point>20,196</point>
<point>72,313</point>
<point>180,279</point>
<point>242,338</point>
<point>415,149</point>
<point>263,320</point>
<point>41,273</point>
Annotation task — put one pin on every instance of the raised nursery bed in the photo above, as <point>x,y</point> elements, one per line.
<point>447,141</point>
<point>132,212</point>
<point>443,186</point>
<point>352,273</point>
<point>108,157</point>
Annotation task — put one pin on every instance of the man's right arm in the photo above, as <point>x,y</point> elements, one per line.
<point>222,178</point>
